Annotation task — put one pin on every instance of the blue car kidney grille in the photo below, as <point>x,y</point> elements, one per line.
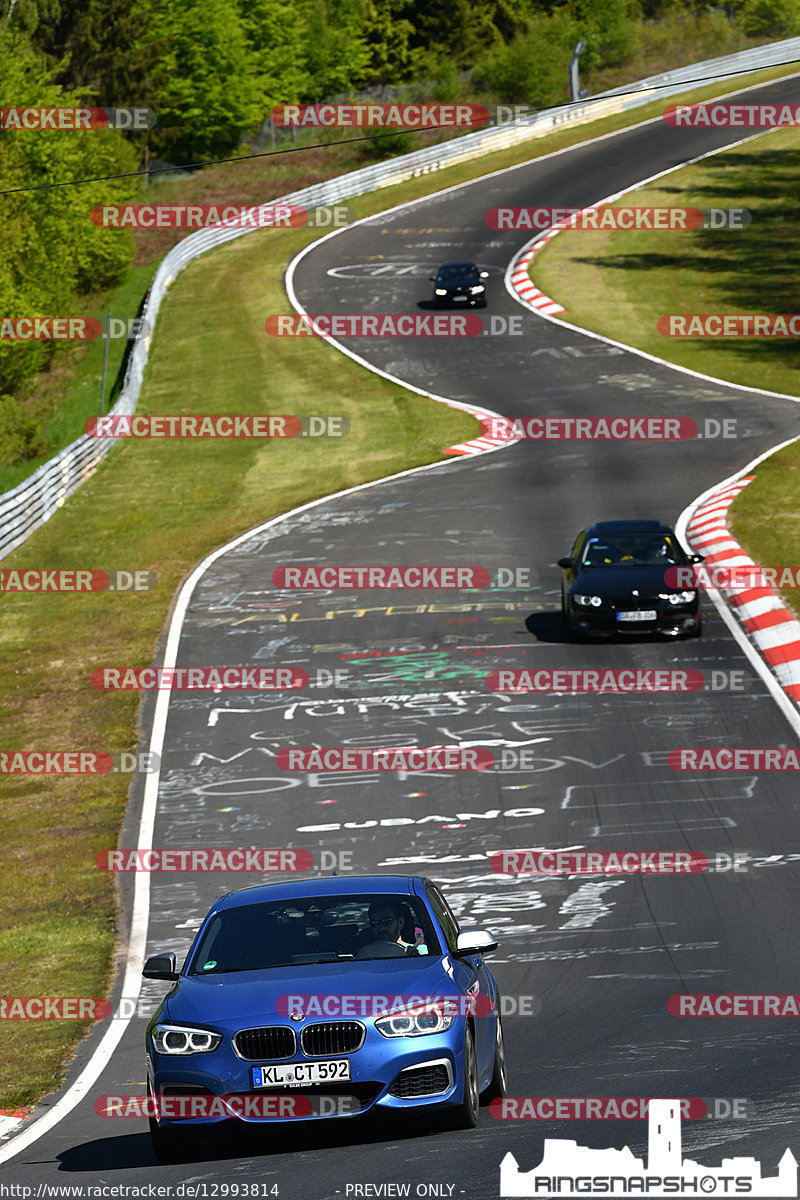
<point>267,1043</point>
<point>332,1037</point>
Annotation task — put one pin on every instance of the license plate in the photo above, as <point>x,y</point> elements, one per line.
<point>297,1074</point>
<point>642,614</point>
<point>459,299</point>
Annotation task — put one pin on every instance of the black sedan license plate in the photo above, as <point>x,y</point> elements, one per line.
<point>642,614</point>
<point>297,1074</point>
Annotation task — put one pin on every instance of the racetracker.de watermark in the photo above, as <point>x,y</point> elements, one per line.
<point>380,116</point>
<point>729,325</point>
<point>224,859</point>
<point>617,681</point>
<point>418,758</point>
<point>72,329</point>
<point>248,1105</point>
<point>77,762</point>
<point>327,1004</point>
<point>584,862</point>
<point>734,758</point>
<point>729,1004</point>
<point>733,578</point>
<point>76,118</point>
<point>328,577</point>
<point>610,1108</point>
<point>90,579</point>
<point>235,216</point>
<point>400,325</point>
<point>219,425</point>
<point>601,429</point>
<point>593,219</point>
<point>181,679</point>
<point>724,115</point>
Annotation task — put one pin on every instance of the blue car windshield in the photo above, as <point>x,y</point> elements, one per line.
<point>637,551</point>
<point>314,929</point>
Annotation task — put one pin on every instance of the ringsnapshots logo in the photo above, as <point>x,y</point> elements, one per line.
<point>683,220</point>
<point>567,1169</point>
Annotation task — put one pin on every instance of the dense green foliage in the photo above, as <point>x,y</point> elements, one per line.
<point>212,72</point>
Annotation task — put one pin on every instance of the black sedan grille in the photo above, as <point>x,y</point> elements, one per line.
<point>267,1043</point>
<point>332,1037</point>
<point>420,1081</point>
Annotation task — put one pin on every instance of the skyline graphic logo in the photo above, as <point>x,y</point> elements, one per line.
<point>568,1169</point>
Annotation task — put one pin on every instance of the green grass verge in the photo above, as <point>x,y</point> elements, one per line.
<point>620,282</point>
<point>162,506</point>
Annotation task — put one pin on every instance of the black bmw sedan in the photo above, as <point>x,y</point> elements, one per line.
<point>615,581</point>
<point>459,283</point>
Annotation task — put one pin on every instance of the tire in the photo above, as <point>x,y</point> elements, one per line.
<point>466,1115</point>
<point>172,1145</point>
<point>498,1084</point>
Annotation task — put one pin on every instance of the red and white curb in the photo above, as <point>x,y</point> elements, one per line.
<point>771,626</point>
<point>518,274</point>
<point>487,441</point>
<point>10,1118</point>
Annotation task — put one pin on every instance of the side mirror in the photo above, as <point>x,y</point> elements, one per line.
<point>160,966</point>
<point>432,278</point>
<point>475,941</point>
<point>566,563</point>
<point>697,558</point>
<point>484,274</point>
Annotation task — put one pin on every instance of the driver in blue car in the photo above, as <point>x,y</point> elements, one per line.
<point>388,924</point>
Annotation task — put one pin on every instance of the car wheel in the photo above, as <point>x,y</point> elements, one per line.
<point>466,1115</point>
<point>574,634</point>
<point>498,1084</point>
<point>171,1145</point>
<point>697,631</point>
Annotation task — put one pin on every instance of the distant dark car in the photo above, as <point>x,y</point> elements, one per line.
<point>614,582</point>
<point>459,283</point>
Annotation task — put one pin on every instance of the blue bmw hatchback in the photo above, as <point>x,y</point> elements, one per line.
<point>324,998</point>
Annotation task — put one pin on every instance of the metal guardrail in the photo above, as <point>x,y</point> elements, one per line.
<point>31,503</point>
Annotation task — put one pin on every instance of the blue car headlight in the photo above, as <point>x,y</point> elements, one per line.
<point>478,288</point>
<point>182,1039</point>
<point>441,291</point>
<point>588,601</point>
<point>432,1017</point>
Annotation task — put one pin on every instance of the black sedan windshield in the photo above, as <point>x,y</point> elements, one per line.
<point>637,550</point>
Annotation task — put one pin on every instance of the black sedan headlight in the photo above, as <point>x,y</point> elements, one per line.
<point>182,1039</point>
<point>680,597</point>
<point>587,601</point>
